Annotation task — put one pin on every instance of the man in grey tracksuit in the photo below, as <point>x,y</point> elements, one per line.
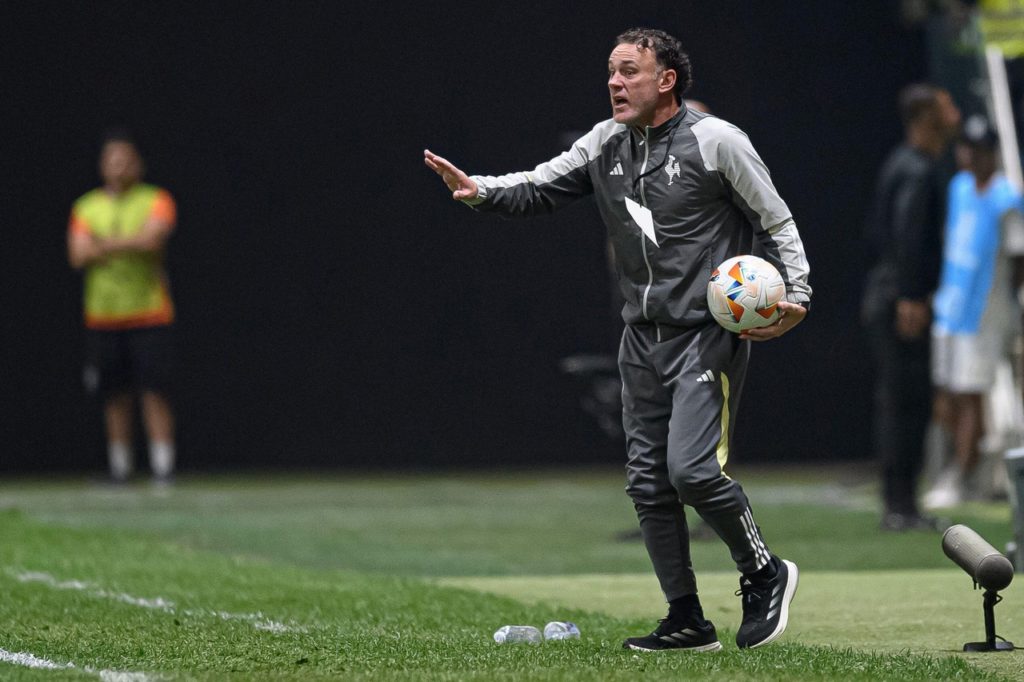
<point>680,192</point>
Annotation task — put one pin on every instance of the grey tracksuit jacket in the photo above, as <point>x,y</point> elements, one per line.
<point>709,193</point>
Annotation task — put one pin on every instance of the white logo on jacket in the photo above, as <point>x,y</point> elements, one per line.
<point>672,168</point>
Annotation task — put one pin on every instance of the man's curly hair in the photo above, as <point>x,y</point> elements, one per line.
<point>668,52</point>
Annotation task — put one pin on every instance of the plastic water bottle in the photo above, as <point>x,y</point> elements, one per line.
<point>557,629</point>
<point>515,634</point>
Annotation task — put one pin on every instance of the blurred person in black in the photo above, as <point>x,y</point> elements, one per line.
<point>904,237</point>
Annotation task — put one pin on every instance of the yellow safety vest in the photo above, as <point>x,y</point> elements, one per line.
<point>127,290</point>
<point>1002,24</point>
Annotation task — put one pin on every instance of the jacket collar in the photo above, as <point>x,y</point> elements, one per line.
<point>655,132</point>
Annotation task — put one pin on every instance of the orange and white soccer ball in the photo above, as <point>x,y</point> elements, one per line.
<point>744,293</point>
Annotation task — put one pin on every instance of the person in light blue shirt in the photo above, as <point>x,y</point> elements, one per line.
<point>976,314</point>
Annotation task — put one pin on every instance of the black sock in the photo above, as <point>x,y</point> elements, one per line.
<point>765,573</point>
<point>687,605</point>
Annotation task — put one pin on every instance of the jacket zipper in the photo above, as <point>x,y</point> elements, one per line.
<point>643,239</point>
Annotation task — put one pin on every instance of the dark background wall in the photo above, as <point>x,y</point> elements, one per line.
<point>336,308</point>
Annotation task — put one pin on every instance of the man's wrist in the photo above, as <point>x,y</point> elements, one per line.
<point>806,305</point>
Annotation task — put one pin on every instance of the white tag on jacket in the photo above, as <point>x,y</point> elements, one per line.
<point>643,217</point>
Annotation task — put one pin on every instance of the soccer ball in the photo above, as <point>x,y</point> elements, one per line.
<point>744,293</point>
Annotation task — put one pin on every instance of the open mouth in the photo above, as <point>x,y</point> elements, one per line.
<point>619,101</point>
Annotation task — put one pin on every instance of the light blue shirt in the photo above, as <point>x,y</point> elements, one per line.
<point>971,248</point>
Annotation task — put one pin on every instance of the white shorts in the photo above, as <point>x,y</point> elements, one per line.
<point>965,363</point>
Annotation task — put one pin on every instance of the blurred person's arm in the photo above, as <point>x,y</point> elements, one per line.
<point>154,233</point>
<point>151,238</point>
<point>912,317</point>
<point>83,249</point>
<point>913,214</point>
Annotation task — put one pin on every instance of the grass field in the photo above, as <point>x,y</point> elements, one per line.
<point>376,577</point>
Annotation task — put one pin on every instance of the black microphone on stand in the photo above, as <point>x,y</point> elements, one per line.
<point>984,563</point>
<point>989,569</point>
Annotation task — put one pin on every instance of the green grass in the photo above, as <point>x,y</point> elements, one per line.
<point>552,522</point>
<point>406,577</point>
<point>931,611</point>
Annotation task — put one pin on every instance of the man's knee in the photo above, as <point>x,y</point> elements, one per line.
<point>647,493</point>
<point>696,485</point>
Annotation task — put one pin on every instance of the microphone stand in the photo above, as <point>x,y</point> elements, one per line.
<point>990,600</point>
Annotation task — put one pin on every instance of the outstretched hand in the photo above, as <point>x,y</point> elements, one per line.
<point>790,315</point>
<point>458,182</point>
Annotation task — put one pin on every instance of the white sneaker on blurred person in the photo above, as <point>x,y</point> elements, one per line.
<point>948,491</point>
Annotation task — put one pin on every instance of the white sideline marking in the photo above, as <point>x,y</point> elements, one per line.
<point>120,676</point>
<point>257,620</point>
<point>31,661</point>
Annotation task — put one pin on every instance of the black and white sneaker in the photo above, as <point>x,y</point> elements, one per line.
<point>687,634</point>
<point>766,605</point>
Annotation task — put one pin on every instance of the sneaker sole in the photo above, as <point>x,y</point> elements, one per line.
<point>714,646</point>
<point>787,597</point>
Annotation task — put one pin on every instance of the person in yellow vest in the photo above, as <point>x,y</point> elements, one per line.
<point>117,235</point>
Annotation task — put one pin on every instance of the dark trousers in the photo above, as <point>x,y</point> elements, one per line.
<point>679,397</point>
<point>902,411</point>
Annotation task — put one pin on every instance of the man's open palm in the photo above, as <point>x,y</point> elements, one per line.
<point>458,182</point>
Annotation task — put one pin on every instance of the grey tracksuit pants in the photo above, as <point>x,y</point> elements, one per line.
<point>679,400</point>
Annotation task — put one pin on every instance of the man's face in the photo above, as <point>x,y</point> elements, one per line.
<point>120,165</point>
<point>633,83</point>
<point>983,162</point>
